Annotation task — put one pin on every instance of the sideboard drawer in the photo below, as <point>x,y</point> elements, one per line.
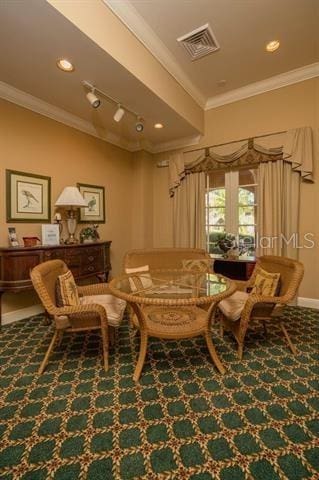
<point>92,256</point>
<point>73,260</point>
<point>97,266</point>
<point>53,254</point>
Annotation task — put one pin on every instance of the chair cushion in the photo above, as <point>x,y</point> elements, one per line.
<point>139,282</point>
<point>197,265</point>
<point>66,290</point>
<point>266,284</point>
<point>232,306</point>
<point>114,306</point>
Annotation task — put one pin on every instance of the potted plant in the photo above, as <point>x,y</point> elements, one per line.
<point>89,234</point>
<point>229,245</point>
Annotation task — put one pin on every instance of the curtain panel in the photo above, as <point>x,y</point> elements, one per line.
<point>189,212</point>
<point>294,147</point>
<point>278,209</point>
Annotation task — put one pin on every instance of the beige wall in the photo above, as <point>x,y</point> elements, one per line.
<point>282,109</point>
<point>142,201</point>
<point>33,143</point>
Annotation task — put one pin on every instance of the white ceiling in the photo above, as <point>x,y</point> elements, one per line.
<point>242,28</point>
<point>35,35</point>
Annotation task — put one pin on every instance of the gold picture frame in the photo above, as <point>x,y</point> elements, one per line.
<point>28,197</point>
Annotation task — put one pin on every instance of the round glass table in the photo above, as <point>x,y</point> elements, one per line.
<point>173,304</point>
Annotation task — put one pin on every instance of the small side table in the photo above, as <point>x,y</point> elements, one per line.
<point>236,269</point>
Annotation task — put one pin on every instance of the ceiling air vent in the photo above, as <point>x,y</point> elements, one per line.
<point>199,42</point>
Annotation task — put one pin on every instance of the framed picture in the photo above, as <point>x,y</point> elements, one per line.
<point>95,197</point>
<point>50,234</point>
<point>28,197</point>
<point>13,240</point>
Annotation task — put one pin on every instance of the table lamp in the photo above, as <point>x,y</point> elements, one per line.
<point>71,198</point>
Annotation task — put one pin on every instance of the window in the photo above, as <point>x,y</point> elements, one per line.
<point>231,207</point>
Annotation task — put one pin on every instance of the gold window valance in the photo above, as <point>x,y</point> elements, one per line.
<point>293,146</point>
<point>247,156</point>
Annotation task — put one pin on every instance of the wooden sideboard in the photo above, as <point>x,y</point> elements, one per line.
<point>84,260</point>
<point>237,269</point>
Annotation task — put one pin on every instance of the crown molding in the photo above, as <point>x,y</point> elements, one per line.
<point>23,99</point>
<point>176,144</point>
<point>126,12</point>
<point>278,81</point>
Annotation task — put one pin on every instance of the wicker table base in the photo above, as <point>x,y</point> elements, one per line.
<point>168,304</point>
<point>174,323</point>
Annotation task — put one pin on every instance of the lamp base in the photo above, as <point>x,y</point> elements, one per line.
<point>71,224</point>
<point>71,240</point>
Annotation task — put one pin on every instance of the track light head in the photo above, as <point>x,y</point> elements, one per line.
<point>139,125</point>
<point>94,101</point>
<point>118,115</point>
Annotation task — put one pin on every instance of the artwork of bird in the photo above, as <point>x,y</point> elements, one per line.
<point>29,198</point>
<point>91,204</point>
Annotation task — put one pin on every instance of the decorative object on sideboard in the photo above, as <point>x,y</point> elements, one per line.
<point>230,247</point>
<point>89,234</point>
<point>94,195</point>
<point>31,241</point>
<point>50,234</point>
<point>58,221</point>
<point>28,197</point>
<point>72,199</point>
<point>13,240</point>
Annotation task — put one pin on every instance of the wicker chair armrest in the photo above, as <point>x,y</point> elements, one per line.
<point>251,302</point>
<point>94,289</point>
<point>253,299</point>
<point>80,309</point>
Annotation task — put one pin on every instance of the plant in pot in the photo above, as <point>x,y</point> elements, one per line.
<point>89,234</point>
<point>229,245</point>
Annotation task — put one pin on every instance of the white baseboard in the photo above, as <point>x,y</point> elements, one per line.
<point>22,313</point>
<point>308,302</point>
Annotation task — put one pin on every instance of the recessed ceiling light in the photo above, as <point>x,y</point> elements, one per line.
<point>273,46</point>
<point>65,65</point>
<point>158,125</point>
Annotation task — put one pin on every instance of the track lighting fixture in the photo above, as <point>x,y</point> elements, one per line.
<point>118,115</point>
<point>95,102</point>
<point>93,99</point>
<point>139,125</point>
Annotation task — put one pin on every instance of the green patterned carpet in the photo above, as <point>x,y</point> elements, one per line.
<point>182,421</point>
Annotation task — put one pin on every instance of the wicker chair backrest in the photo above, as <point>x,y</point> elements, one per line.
<point>162,257</point>
<point>291,273</point>
<point>44,277</point>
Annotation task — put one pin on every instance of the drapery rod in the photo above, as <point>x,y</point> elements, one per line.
<point>235,141</point>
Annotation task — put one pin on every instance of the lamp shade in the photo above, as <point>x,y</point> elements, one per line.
<point>71,197</point>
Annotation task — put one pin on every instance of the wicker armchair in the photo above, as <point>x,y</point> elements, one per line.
<point>74,318</point>
<point>257,307</point>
